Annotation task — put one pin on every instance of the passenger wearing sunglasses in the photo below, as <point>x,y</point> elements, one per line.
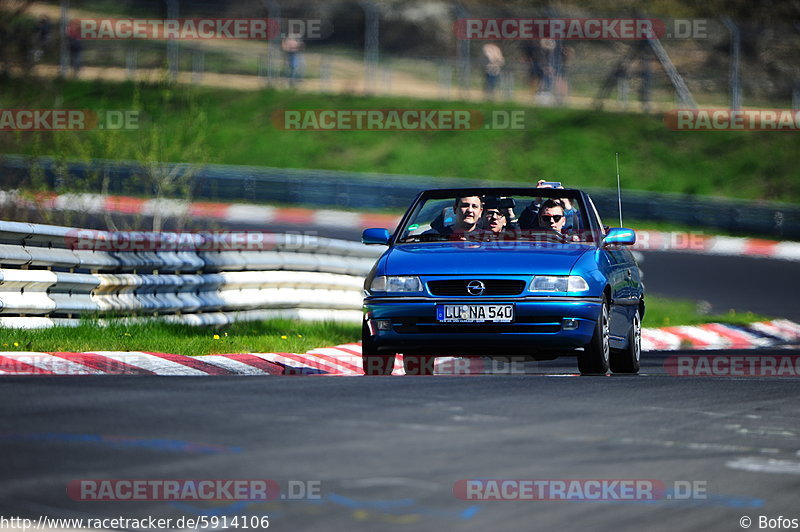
<point>529,218</point>
<point>551,215</point>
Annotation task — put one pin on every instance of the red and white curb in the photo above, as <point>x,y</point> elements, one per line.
<point>721,336</point>
<point>346,359</point>
<point>691,242</point>
<point>716,245</point>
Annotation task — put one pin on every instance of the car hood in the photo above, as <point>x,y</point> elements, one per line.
<point>455,258</point>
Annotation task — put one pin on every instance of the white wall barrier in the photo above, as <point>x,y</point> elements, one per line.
<point>52,275</point>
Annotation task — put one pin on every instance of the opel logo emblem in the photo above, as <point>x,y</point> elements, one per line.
<point>475,288</point>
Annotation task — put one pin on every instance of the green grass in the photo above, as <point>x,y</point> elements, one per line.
<point>257,337</point>
<point>270,336</point>
<point>573,146</point>
<point>665,312</point>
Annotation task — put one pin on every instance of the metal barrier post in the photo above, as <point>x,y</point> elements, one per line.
<point>172,44</point>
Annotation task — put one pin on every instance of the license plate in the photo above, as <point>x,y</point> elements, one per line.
<point>474,313</point>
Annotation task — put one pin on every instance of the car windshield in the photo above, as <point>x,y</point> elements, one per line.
<point>554,216</point>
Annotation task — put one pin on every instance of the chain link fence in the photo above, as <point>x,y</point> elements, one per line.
<point>414,50</point>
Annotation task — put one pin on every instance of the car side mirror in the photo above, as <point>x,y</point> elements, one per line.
<point>376,235</point>
<point>619,236</point>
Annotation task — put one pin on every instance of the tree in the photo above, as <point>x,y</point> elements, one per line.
<point>171,131</point>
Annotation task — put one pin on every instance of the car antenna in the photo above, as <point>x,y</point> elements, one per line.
<point>619,193</point>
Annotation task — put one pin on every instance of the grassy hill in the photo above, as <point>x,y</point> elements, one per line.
<point>574,146</point>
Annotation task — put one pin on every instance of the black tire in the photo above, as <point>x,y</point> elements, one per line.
<point>418,364</point>
<point>372,362</point>
<point>627,360</point>
<point>594,358</point>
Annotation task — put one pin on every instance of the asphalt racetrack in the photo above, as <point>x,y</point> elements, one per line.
<point>393,453</point>
<point>384,453</point>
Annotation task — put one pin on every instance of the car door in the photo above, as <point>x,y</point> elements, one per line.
<point>618,276</point>
<point>618,261</point>
<point>635,289</point>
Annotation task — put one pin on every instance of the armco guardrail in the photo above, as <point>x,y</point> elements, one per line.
<point>54,275</point>
<point>381,191</point>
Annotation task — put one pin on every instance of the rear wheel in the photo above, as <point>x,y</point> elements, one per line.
<point>627,360</point>
<point>418,364</point>
<point>594,358</point>
<point>372,362</point>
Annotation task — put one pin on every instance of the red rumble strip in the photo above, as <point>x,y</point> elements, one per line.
<point>202,209</point>
<point>295,216</point>
<point>755,246</point>
<point>737,339</point>
<point>345,359</point>
<point>692,339</point>
<point>191,362</point>
<point>13,366</point>
<point>257,362</point>
<point>107,366</point>
<point>124,204</point>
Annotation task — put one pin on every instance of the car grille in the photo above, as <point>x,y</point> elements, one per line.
<point>494,287</point>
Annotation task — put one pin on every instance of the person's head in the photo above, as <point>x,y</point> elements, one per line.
<point>496,219</point>
<point>492,52</point>
<point>468,212</point>
<point>551,214</point>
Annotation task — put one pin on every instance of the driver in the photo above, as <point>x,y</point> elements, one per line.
<point>468,210</point>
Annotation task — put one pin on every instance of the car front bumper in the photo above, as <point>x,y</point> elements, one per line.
<point>541,325</point>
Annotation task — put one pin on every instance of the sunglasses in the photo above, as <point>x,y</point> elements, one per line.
<point>495,214</point>
<point>556,217</point>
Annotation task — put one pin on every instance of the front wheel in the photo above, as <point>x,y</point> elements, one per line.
<point>627,360</point>
<point>372,362</point>
<point>594,358</point>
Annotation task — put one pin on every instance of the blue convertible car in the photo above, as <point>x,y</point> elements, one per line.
<point>503,272</point>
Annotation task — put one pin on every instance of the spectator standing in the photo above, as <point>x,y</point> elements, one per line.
<point>562,55</point>
<point>75,46</point>
<point>646,87</point>
<point>493,66</point>
<point>292,45</point>
<point>42,34</point>
<point>533,55</point>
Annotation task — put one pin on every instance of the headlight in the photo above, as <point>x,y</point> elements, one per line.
<point>384,283</point>
<point>559,283</point>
